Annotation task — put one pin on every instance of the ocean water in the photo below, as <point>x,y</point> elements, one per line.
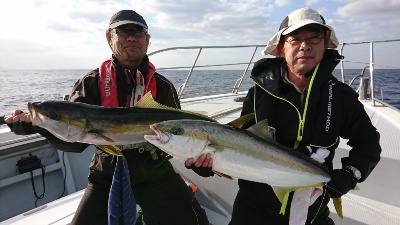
<point>22,86</point>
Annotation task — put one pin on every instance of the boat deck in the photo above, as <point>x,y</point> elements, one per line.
<point>224,108</point>
<point>377,201</point>
<point>216,194</point>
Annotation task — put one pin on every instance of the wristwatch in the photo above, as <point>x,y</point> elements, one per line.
<point>356,173</point>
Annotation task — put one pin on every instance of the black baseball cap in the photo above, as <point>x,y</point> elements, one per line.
<point>127,17</point>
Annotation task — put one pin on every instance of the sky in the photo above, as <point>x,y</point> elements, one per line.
<point>70,34</point>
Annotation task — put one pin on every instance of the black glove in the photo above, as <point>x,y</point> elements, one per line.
<point>201,171</point>
<point>306,150</point>
<point>342,181</point>
<point>23,128</point>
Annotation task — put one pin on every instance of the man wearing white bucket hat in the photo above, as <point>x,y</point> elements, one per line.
<point>310,110</point>
<point>296,20</point>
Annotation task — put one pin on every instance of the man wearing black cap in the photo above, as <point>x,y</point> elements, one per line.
<point>310,110</point>
<point>121,81</point>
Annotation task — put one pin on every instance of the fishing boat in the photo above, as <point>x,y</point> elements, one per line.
<point>62,177</point>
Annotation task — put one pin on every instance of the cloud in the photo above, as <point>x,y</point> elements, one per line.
<point>363,20</point>
<point>370,8</point>
<point>311,2</point>
<point>73,31</point>
<point>219,21</point>
<point>281,3</point>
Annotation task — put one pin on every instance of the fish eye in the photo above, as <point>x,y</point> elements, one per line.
<point>54,116</point>
<point>177,130</point>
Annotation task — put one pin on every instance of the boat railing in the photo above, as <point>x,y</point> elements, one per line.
<point>368,90</point>
<point>238,83</point>
<point>363,88</point>
<point>367,85</point>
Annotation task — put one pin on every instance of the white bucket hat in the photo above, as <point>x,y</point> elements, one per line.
<point>295,20</point>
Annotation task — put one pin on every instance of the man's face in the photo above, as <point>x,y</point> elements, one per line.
<point>301,50</point>
<point>129,44</point>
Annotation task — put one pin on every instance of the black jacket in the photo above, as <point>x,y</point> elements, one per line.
<point>86,90</point>
<point>331,110</point>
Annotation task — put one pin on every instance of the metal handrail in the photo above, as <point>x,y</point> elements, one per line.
<point>361,88</point>
<point>371,64</point>
<point>238,82</point>
<point>360,75</point>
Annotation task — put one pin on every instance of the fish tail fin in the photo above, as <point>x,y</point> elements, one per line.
<point>283,195</point>
<point>284,203</point>
<point>337,202</point>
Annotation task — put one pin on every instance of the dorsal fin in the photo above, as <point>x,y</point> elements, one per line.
<point>262,130</point>
<point>147,101</point>
<point>239,122</point>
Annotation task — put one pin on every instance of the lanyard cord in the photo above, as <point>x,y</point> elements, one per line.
<point>132,78</point>
<point>302,122</point>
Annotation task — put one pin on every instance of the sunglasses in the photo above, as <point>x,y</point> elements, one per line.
<point>124,33</point>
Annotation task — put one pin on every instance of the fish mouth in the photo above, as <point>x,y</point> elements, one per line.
<point>33,113</point>
<point>38,118</point>
<point>30,107</point>
<point>159,135</point>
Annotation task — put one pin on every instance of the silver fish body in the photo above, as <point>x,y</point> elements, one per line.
<point>98,125</point>
<point>239,153</point>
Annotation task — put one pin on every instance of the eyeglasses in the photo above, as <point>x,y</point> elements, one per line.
<point>126,33</point>
<point>310,40</point>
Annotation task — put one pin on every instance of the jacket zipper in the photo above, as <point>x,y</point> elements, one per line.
<point>302,117</point>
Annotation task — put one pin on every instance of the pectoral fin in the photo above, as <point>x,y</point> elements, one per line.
<point>223,175</point>
<point>211,148</point>
<point>111,149</point>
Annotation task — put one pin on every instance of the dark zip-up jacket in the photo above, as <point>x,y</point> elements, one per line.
<point>86,90</point>
<point>328,109</point>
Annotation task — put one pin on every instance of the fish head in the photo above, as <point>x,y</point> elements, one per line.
<point>59,118</point>
<point>181,139</point>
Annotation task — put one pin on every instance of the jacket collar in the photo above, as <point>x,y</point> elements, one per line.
<point>143,68</point>
<point>267,72</point>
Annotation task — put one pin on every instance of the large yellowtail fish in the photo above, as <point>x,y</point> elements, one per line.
<point>239,153</point>
<point>104,126</point>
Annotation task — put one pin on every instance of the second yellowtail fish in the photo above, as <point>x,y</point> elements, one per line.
<point>241,154</point>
